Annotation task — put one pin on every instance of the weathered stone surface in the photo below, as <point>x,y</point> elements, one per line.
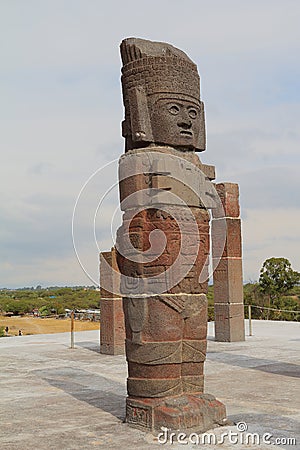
<point>189,412</point>
<point>166,344</point>
<point>162,176</point>
<point>182,249</point>
<point>166,318</point>
<point>229,195</point>
<point>161,92</point>
<point>230,229</point>
<point>163,243</point>
<point>209,171</point>
<point>109,279</point>
<point>229,322</point>
<point>112,328</point>
<point>227,311</point>
<point>227,262</point>
<point>228,281</point>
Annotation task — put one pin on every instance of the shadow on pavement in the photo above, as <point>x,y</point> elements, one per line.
<point>89,345</point>
<point>250,362</point>
<point>96,390</point>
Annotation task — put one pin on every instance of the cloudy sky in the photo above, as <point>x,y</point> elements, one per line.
<point>61,110</point>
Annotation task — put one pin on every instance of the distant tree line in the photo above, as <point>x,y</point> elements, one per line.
<point>277,289</point>
<point>48,300</point>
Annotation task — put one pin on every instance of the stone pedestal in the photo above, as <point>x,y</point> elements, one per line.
<point>112,328</point>
<point>186,412</point>
<point>227,261</point>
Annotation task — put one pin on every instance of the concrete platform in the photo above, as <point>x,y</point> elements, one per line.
<point>53,397</point>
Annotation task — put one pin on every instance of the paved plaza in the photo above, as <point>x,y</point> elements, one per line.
<point>54,397</point>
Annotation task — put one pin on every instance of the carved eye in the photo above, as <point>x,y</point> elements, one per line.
<point>193,113</point>
<point>173,109</point>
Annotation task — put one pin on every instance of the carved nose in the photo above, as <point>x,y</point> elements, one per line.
<point>185,124</point>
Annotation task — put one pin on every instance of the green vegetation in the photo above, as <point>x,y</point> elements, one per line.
<point>2,333</point>
<point>289,302</point>
<point>278,289</point>
<point>277,277</point>
<point>49,300</point>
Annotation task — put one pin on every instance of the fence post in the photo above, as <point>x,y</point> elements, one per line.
<point>250,322</point>
<point>72,329</point>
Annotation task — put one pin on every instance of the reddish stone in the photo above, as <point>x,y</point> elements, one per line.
<point>185,413</point>
<point>109,274</point>
<point>228,277</point>
<point>192,368</point>
<point>112,328</point>
<point>175,244</point>
<point>229,196</point>
<point>129,187</point>
<point>228,281</point>
<point>229,306</point>
<point>155,371</point>
<point>226,238</point>
<point>166,333</point>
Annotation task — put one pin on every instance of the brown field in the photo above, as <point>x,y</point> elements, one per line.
<point>36,325</point>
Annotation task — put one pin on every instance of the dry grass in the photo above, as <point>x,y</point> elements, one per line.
<point>35,325</point>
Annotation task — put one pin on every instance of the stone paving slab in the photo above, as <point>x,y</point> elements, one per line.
<point>54,397</point>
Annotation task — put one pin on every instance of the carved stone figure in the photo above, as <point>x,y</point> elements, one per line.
<point>161,92</point>
<point>163,243</point>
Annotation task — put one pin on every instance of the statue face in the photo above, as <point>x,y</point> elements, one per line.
<point>175,122</point>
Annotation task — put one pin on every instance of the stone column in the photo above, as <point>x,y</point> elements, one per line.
<point>227,261</point>
<point>163,242</point>
<point>112,328</point>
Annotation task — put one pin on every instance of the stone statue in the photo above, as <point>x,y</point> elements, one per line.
<point>161,91</point>
<point>163,243</point>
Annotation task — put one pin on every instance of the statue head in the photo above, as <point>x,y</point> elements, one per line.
<point>161,93</point>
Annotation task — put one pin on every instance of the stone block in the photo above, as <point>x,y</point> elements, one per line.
<point>109,274</point>
<point>229,196</point>
<point>164,178</point>
<point>165,316</point>
<point>229,323</point>
<point>228,280</point>
<point>187,412</point>
<point>133,191</point>
<point>191,285</point>
<point>226,238</point>
<point>209,171</point>
<point>112,328</point>
<point>229,311</point>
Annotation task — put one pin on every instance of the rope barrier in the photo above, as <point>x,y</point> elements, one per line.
<point>270,309</point>
<point>275,309</point>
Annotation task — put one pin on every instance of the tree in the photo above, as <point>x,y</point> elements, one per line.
<point>277,277</point>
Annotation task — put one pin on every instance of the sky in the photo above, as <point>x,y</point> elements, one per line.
<point>61,109</point>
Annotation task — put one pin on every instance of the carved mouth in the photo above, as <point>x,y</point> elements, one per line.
<point>186,133</point>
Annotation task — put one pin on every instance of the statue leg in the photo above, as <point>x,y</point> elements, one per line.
<point>194,343</point>
<point>153,347</point>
